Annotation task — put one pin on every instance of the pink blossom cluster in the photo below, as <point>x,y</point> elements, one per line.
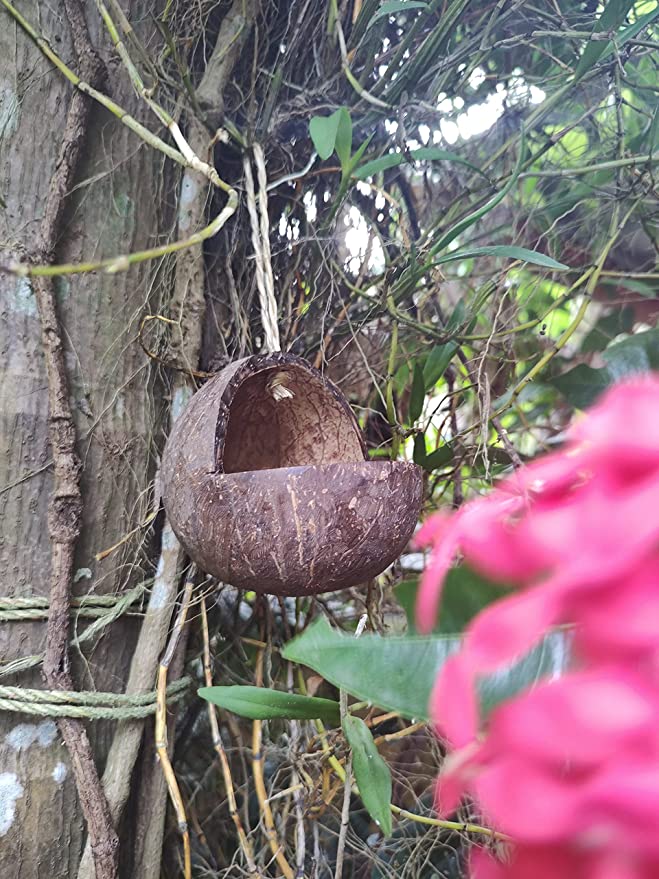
<point>568,769</point>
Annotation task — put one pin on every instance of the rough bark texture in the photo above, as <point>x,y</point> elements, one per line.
<point>110,389</point>
<point>275,495</point>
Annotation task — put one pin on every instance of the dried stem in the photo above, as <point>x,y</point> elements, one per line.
<point>161,727</point>
<point>345,808</point>
<point>245,844</point>
<point>65,513</point>
<point>259,784</point>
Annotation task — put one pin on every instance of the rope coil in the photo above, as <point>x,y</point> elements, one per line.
<point>86,705</point>
<point>13,609</point>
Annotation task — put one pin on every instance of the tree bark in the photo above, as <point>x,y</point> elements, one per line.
<point>115,206</point>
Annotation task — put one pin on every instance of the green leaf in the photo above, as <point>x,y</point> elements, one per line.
<point>418,393</point>
<point>468,221</point>
<point>441,457</point>
<point>618,321</point>
<point>356,157</point>
<point>611,18</point>
<point>419,452</point>
<point>398,674</point>
<point>259,703</point>
<point>323,130</point>
<point>372,774</point>
<point>343,140</point>
<point>509,251</point>
<point>582,385</point>
<point>390,7</point>
<point>437,363</point>
<point>465,594</point>
<point>644,288</point>
<point>393,160</point>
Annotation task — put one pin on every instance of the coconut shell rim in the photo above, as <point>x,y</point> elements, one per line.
<point>256,363</point>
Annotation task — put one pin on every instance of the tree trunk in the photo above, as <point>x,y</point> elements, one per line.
<point>117,206</point>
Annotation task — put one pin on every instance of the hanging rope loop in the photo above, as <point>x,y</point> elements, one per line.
<point>258,215</point>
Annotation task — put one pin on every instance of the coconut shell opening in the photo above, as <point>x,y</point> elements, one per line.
<point>286,417</point>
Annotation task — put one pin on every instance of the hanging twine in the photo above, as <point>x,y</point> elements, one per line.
<point>258,215</point>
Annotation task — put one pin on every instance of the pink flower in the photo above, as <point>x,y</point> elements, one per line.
<point>570,769</point>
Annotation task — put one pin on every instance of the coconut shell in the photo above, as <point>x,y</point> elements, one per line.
<point>266,483</point>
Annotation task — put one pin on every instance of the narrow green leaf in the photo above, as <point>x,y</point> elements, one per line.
<point>418,393</point>
<point>372,774</point>
<point>470,219</point>
<point>343,139</point>
<point>437,363</point>
<point>458,316</point>
<point>398,674</point>
<point>393,160</point>
<point>505,250</point>
<point>390,7</point>
<point>356,157</point>
<point>632,31</point>
<point>323,131</point>
<point>611,18</point>
<point>260,703</point>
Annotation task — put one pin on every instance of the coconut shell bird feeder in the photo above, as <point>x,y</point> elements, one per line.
<point>267,485</point>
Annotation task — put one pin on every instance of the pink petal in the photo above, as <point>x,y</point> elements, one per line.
<point>432,582</point>
<point>620,622</point>
<point>510,627</point>
<point>453,704</point>
<point>483,865</point>
<point>625,422</point>
<point>528,802</point>
<point>582,719</point>
<point>452,785</point>
<point>432,530</point>
<point>614,864</point>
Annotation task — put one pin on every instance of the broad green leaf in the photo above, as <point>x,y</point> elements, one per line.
<point>620,320</point>
<point>437,363</point>
<point>372,774</point>
<point>323,130</point>
<point>419,452</point>
<point>259,703</point>
<point>393,160</point>
<point>441,457</point>
<point>398,674</point>
<point>390,7</point>
<point>510,252</point>
<point>611,19</point>
<point>465,594</point>
<point>343,140</point>
<point>418,393</point>
<point>582,385</point>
